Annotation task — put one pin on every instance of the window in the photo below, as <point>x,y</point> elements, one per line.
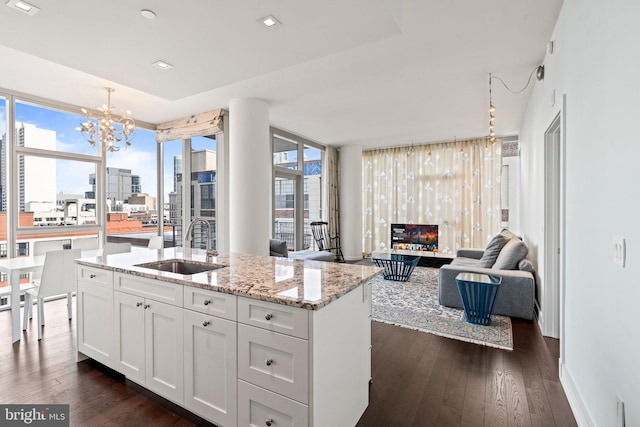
<point>131,190</point>
<point>202,193</point>
<point>297,188</point>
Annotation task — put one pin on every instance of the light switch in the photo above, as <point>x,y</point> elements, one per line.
<point>619,251</point>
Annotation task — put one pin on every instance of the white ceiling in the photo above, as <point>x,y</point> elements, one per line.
<point>366,72</point>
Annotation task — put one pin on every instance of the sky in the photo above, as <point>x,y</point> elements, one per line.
<point>73,177</point>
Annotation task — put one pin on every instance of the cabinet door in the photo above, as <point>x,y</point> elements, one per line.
<point>95,322</point>
<point>210,367</point>
<point>164,350</point>
<point>258,407</point>
<point>129,336</point>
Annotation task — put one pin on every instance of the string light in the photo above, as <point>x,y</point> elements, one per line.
<point>539,70</point>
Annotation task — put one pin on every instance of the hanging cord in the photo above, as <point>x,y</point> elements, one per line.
<point>507,87</point>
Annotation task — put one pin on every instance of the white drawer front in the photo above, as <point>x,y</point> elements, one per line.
<point>210,302</point>
<point>274,317</point>
<point>97,276</point>
<point>274,361</point>
<point>258,407</point>
<point>167,292</point>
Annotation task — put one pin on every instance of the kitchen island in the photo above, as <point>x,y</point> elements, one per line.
<point>254,340</point>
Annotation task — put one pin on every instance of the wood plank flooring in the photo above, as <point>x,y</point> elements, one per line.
<point>418,380</point>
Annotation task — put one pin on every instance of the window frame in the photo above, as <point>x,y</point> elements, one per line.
<point>12,153</point>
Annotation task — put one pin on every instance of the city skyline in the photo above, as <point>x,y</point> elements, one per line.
<point>73,178</point>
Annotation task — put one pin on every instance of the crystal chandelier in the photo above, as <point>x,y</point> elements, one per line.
<point>107,130</point>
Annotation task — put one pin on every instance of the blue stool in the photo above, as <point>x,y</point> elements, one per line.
<point>478,293</point>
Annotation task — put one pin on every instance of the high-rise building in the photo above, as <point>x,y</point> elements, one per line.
<point>177,169</point>
<point>121,185</point>
<point>38,184</point>
<point>203,189</point>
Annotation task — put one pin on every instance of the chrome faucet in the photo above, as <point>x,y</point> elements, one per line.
<point>187,237</point>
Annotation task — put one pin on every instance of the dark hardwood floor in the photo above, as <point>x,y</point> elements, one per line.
<point>418,380</point>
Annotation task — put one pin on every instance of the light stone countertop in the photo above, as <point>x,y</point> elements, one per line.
<point>305,284</point>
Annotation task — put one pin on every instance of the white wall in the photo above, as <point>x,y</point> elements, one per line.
<point>595,63</point>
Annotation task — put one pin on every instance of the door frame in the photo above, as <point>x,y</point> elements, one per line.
<point>552,320</point>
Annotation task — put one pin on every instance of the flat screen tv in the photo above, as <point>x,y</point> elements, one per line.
<point>414,237</point>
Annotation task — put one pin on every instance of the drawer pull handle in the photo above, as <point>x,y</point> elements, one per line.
<point>91,276</point>
<point>146,306</point>
<point>207,302</point>
<point>206,323</point>
<point>269,316</point>
<point>269,422</point>
<point>138,304</point>
<point>269,362</point>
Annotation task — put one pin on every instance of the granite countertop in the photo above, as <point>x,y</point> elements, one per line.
<point>298,283</point>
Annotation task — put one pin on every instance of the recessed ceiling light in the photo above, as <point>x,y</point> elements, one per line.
<point>162,65</point>
<point>149,14</point>
<point>23,6</point>
<point>269,21</point>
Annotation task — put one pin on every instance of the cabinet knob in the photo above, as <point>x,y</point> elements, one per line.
<point>269,422</point>
<point>91,276</point>
<point>269,316</point>
<point>207,302</point>
<point>138,304</point>
<point>206,323</point>
<point>269,362</point>
<point>146,306</point>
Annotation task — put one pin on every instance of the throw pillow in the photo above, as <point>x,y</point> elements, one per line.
<point>493,250</point>
<point>509,234</point>
<point>510,255</point>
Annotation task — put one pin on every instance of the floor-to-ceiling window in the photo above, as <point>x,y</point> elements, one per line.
<point>50,186</point>
<point>193,183</point>
<point>297,189</point>
<point>131,191</point>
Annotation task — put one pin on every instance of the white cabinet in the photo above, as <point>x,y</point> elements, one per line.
<point>129,336</point>
<point>149,336</point>
<point>259,407</point>
<point>164,351</point>
<point>210,366</point>
<point>274,361</point>
<point>235,361</point>
<point>95,317</point>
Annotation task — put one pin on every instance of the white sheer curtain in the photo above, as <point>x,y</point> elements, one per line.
<point>455,185</point>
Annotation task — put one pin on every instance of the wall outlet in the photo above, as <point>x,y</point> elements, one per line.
<point>620,422</point>
<point>619,251</point>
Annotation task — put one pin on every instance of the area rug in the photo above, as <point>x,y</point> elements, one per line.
<point>414,304</point>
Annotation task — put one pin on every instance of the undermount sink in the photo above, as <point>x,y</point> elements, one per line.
<point>181,266</point>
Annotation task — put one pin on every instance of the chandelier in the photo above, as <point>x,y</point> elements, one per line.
<point>107,130</point>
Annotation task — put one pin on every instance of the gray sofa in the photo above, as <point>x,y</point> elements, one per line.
<point>517,291</point>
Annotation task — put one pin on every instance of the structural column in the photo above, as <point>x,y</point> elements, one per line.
<point>250,176</point>
<point>351,202</point>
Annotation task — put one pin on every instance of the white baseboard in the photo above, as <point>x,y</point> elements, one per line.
<point>580,411</point>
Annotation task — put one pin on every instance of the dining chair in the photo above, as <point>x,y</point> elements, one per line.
<point>86,243</point>
<point>156,242</point>
<point>111,248</point>
<point>41,247</point>
<point>58,278</point>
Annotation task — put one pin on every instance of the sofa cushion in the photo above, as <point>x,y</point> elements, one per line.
<point>525,264</point>
<point>465,262</point>
<point>278,248</point>
<point>510,255</point>
<point>493,249</point>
